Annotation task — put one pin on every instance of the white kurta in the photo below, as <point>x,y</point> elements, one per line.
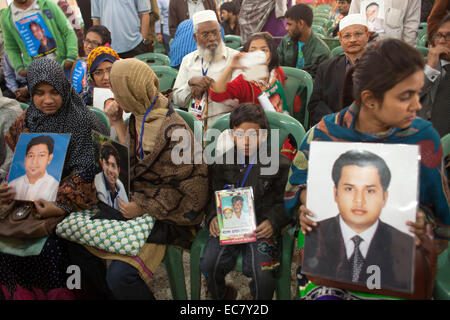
<point>192,67</point>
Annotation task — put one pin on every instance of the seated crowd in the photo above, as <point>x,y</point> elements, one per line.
<point>379,90</point>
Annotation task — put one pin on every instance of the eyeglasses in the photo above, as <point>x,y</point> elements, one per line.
<point>205,35</point>
<point>348,36</point>
<point>438,36</point>
<point>94,44</point>
<point>101,72</point>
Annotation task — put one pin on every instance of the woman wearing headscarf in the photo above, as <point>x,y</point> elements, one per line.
<point>99,64</point>
<point>55,108</point>
<point>382,106</point>
<point>174,194</point>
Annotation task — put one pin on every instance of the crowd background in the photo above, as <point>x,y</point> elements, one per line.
<point>311,49</point>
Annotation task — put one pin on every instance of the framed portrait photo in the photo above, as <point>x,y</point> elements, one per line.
<point>112,179</point>
<point>36,36</point>
<point>37,165</point>
<point>362,195</point>
<point>236,215</point>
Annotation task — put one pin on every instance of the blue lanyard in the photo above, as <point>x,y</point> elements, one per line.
<point>140,149</point>
<point>205,72</point>
<point>247,172</point>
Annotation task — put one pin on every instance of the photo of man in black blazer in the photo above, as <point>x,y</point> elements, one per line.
<point>342,247</point>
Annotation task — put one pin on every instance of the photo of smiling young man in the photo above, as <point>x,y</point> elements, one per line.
<point>109,187</point>
<point>344,246</point>
<point>37,183</point>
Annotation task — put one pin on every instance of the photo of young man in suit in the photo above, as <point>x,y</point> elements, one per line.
<point>342,247</point>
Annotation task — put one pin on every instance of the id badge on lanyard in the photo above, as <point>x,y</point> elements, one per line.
<point>199,107</point>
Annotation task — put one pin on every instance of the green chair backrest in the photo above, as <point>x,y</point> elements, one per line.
<point>233,41</point>
<point>240,48</point>
<point>321,14</point>
<point>320,21</point>
<point>445,140</point>
<point>422,40</point>
<point>193,123</point>
<point>23,105</point>
<point>284,123</point>
<point>159,48</point>
<point>153,58</point>
<point>318,29</point>
<point>166,75</point>
<point>423,50</point>
<point>298,82</point>
<point>332,42</point>
<point>338,51</point>
<point>101,116</point>
<point>423,25</point>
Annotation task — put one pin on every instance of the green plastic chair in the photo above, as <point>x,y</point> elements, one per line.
<point>24,105</point>
<point>159,47</point>
<point>446,144</point>
<point>173,262</point>
<point>153,58</point>
<point>332,42</point>
<point>423,25</point>
<point>233,41</point>
<point>320,21</point>
<point>101,116</point>
<point>422,40</point>
<point>193,123</point>
<point>318,29</point>
<point>338,51</point>
<point>298,82</point>
<point>286,125</point>
<point>321,14</point>
<point>240,48</point>
<point>166,75</point>
<point>423,50</point>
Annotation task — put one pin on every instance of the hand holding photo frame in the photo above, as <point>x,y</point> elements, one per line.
<point>362,196</point>
<point>112,180</point>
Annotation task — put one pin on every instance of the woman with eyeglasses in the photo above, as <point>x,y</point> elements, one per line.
<point>96,36</point>
<point>99,63</point>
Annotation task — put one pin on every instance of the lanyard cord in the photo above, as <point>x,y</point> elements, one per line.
<point>140,149</point>
<point>205,72</point>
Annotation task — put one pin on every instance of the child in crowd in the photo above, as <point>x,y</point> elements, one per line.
<point>261,259</point>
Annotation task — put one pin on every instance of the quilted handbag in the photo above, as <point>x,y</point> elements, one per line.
<point>122,237</point>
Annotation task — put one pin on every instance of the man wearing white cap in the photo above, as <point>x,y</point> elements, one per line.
<point>327,93</point>
<point>401,17</point>
<point>200,68</point>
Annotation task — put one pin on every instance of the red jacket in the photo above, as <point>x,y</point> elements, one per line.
<point>243,90</point>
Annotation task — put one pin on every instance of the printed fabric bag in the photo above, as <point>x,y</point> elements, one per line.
<point>122,237</point>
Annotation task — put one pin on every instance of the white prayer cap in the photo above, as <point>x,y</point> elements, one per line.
<point>204,16</point>
<point>350,20</point>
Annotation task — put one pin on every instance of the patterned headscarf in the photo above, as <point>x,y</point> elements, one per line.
<point>135,86</point>
<point>73,117</point>
<point>99,55</point>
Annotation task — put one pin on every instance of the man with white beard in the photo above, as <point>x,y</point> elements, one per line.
<point>202,67</point>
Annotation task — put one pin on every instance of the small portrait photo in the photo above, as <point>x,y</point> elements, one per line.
<point>235,212</point>
<point>102,98</point>
<point>36,36</point>
<point>374,13</point>
<point>37,165</point>
<point>112,180</point>
<point>362,196</point>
